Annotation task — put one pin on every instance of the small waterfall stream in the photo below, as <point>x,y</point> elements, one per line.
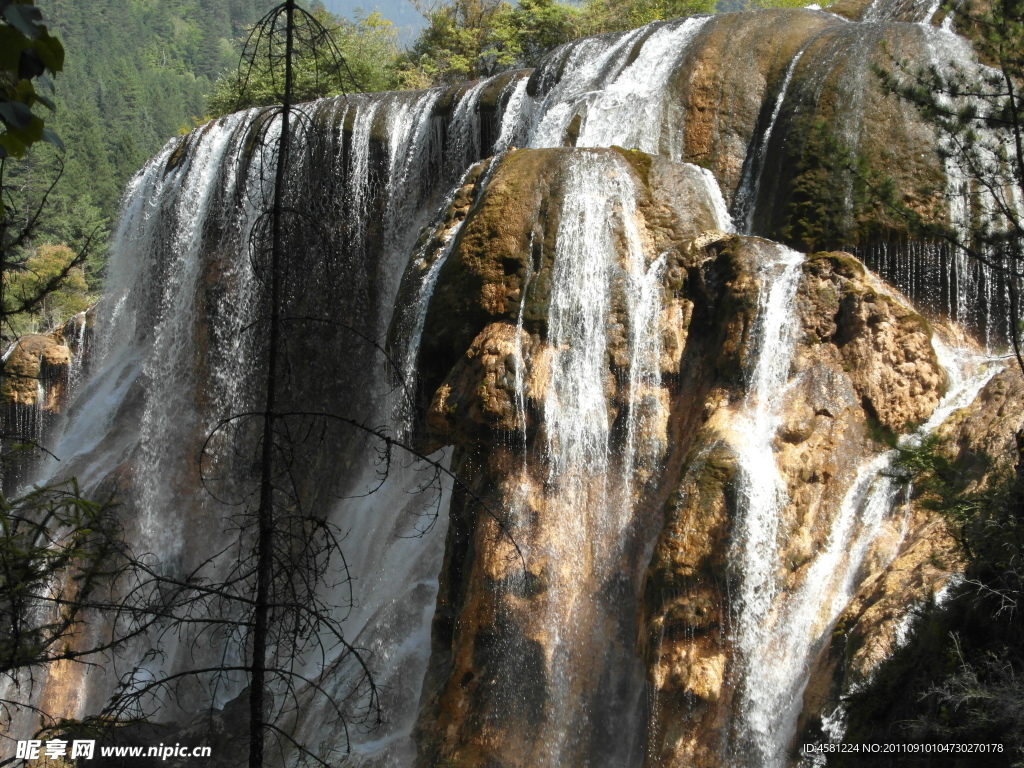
<point>753,167</point>
<point>780,633</point>
<point>829,586</point>
<point>590,486</point>
<point>762,495</point>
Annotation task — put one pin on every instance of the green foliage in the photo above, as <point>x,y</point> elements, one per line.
<point>335,56</point>
<point>817,217</point>
<point>32,275</point>
<point>614,16</point>
<point>47,276</point>
<point>958,680</point>
<point>751,5</point>
<point>371,50</point>
<point>948,487</point>
<point>468,39</point>
<point>28,56</point>
<point>836,197</point>
<point>455,46</point>
<point>534,27</point>
<point>134,75</point>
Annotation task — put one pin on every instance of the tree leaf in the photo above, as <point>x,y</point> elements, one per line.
<point>30,64</point>
<point>50,51</point>
<point>15,114</point>
<point>12,144</point>
<point>52,138</point>
<point>25,18</point>
<point>12,43</point>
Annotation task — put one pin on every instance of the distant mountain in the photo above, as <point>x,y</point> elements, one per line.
<point>400,12</point>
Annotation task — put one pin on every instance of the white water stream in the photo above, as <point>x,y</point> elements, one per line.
<point>761,494</point>
<point>745,202</point>
<point>779,633</point>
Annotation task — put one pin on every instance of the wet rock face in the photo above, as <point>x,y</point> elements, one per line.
<point>884,345</point>
<point>578,326</point>
<point>593,547</point>
<point>980,440</point>
<point>37,358</point>
<point>544,525</point>
<point>822,439</point>
<point>836,115</point>
<point>35,388</point>
<point>728,82</point>
<point>500,269</point>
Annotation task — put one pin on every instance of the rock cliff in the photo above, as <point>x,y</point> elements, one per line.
<point>646,462</point>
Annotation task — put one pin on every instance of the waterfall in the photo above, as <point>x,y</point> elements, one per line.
<point>591,503</point>
<point>175,353</point>
<point>601,92</point>
<point>633,108</point>
<point>943,277</point>
<point>970,280</point>
<point>920,11</point>
<point>193,208</point>
<point>427,263</point>
<point>761,493</point>
<point>793,628</point>
<point>753,166</point>
<point>813,612</point>
<point>517,114</point>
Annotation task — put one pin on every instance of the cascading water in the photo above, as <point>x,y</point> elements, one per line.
<point>753,167</point>
<point>789,628</point>
<point>811,613</point>
<point>170,368</point>
<point>942,276</point>
<point>629,109</point>
<point>587,535</point>
<point>192,203</point>
<point>761,491</point>
<point>174,356</point>
<point>427,263</point>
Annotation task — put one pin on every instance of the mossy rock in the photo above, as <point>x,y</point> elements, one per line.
<point>840,138</point>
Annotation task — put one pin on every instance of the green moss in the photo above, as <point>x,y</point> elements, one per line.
<point>836,196</point>
<point>714,475</point>
<point>180,152</point>
<point>640,161</point>
<point>842,263</point>
<point>828,297</point>
<point>879,432</point>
